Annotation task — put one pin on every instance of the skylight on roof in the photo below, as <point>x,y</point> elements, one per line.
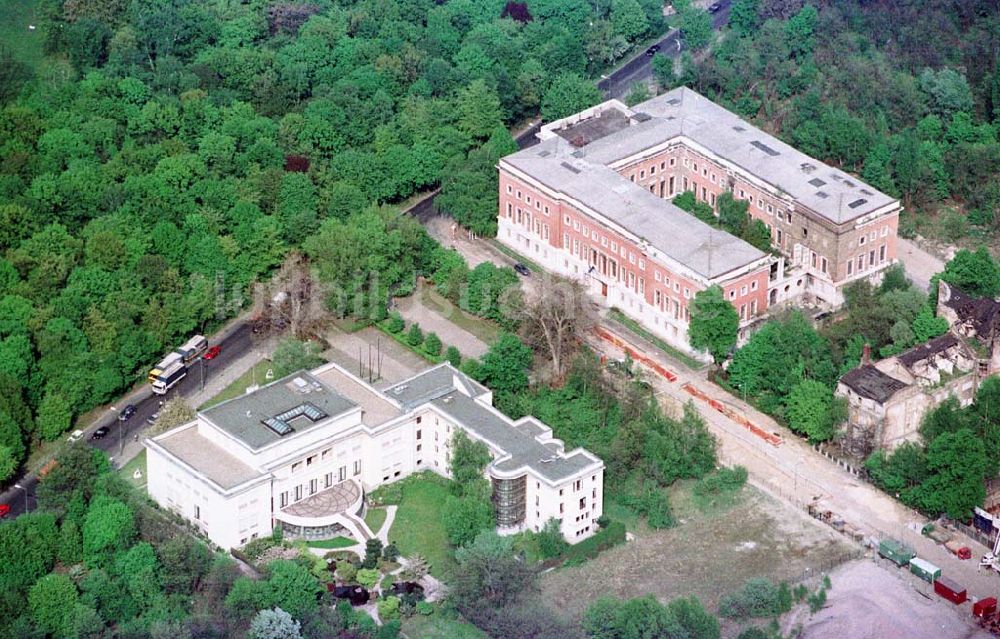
<point>674,101</point>
<point>739,128</point>
<point>807,167</point>
<point>817,182</point>
<point>867,192</point>
<point>569,167</point>
<point>642,117</point>
<point>822,194</point>
<point>765,148</point>
<point>281,428</point>
<point>849,184</point>
<point>544,153</point>
<point>856,203</point>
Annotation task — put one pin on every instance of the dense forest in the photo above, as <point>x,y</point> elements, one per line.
<point>904,93</point>
<point>170,152</point>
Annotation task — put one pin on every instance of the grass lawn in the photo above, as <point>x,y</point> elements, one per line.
<point>437,626</point>
<point>419,524</point>
<point>26,45</point>
<point>375,517</point>
<point>336,542</point>
<point>128,470</point>
<point>238,388</point>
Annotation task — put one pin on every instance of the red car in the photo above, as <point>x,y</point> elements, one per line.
<point>4,510</point>
<point>213,352</point>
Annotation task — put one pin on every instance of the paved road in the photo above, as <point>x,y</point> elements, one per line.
<point>640,68</point>
<point>920,265</point>
<point>235,343</point>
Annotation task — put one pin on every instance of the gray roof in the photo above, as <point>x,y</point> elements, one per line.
<point>242,416</point>
<point>431,384</point>
<point>708,251</point>
<point>207,458</point>
<point>375,408</point>
<point>524,450</point>
<point>872,383</point>
<point>927,349</point>
<point>830,192</point>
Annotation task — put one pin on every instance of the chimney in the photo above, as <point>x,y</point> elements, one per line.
<point>866,354</point>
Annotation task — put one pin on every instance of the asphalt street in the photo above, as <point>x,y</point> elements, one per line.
<point>234,344</point>
<point>640,68</point>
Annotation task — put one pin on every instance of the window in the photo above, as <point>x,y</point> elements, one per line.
<point>657,276</point>
<point>296,467</point>
<point>760,204</point>
<point>583,503</point>
<point>546,210</point>
<point>770,209</point>
<point>687,293</point>
<point>732,294</point>
<point>576,225</point>
<point>509,189</point>
<point>881,253</point>
<point>328,480</point>
<point>342,473</point>
<point>419,432</point>
<point>419,447</point>
<point>822,264</point>
<point>565,240</point>
<point>805,232</point>
<point>850,267</point>
<point>642,174</point>
<point>527,199</point>
<point>743,311</point>
<point>614,246</point>
<point>631,258</point>
<point>712,178</point>
<point>753,285</point>
<point>310,460</point>
<point>357,467</point>
<point>642,264</point>
<point>298,492</point>
<point>519,195</point>
<point>704,172</point>
<point>753,307</point>
<point>642,286</point>
<point>861,240</point>
<point>313,485</point>
<point>694,167</point>
<point>632,177</point>
<point>283,500</point>
<point>743,291</point>
<point>788,217</point>
<point>779,237</point>
<point>652,170</point>
<point>871,257</point>
<point>673,161</point>
<point>197,511</point>
<point>861,262</point>
<point>604,240</point>
<point>885,231</point>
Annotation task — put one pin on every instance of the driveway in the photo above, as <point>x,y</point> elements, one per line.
<point>920,265</point>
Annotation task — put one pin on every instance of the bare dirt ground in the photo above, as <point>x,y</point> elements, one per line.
<point>352,350</point>
<point>869,601</point>
<point>709,555</point>
<point>920,264</point>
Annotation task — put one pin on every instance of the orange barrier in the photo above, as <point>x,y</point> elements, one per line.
<point>771,438</point>
<point>635,355</point>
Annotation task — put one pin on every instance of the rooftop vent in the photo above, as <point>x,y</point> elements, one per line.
<point>670,117</point>
<point>642,117</point>
<point>849,184</point>
<point>570,167</point>
<point>807,167</point>
<point>822,194</point>
<point>866,192</point>
<point>674,101</point>
<point>856,203</point>
<point>765,148</point>
<point>578,153</point>
<point>817,182</point>
<point>739,129</point>
<point>301,385</point>
<point>399,389</point>
<point>544,153</point>
<point>447,400</point>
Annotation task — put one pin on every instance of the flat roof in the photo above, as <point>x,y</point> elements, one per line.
<point>522,447</point>
<point>682,112</point>
<point>375,408</point>
<point>431,384</point>
<point>675,233</point>
<point>242,417</point>
<point>187,445</point>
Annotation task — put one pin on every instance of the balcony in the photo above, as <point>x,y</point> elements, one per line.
<point>326,514</point>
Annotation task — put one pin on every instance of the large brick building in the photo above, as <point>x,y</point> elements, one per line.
<point>592,201</point>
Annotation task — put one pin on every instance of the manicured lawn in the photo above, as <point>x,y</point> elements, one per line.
<point>336,542</point>
<point>239,387</point>
<point>26,45</point>
<point>419,524</point>
<point>438,627</point>
<point>128,470</point>
<point>375,517</point>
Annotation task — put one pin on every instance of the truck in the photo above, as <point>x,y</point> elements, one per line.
<point>924,569</point>
<point>169,378</point>
<point>896,551</point>
<point>163,365</point>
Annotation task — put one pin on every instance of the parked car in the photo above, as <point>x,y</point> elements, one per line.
<point>76,436</point>
<point>715,7</point>
<point>152,418</point>
<point>4,510</point>
<point>212,352</point>
<point>101,433</point>
<point>522,269</point>
<point>126,413</point>
<point>651,51</point>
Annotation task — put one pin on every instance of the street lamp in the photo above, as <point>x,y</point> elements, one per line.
<point>25,489</point>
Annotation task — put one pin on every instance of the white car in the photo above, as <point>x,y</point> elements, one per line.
<point>76,436</point>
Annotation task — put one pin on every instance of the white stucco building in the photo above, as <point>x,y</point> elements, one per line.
<point>301,452</point>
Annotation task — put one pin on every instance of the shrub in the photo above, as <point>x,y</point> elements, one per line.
<point>388,608</point>
<point>373,550</point>
<point>721,481</point>
<point>609,536</point>
<point>367,577</point>
<point>395,324</point>
<point>390,552</point>
<point>346,572</point>
<point>759,597</point>
<point>425,608</point>
<point>278,534</point>
<point>432,344</point>
<point>471,367</point>
<point>603,521</point>
<point>453,356</point>
<point>415,336</point>
<point>550,540</point>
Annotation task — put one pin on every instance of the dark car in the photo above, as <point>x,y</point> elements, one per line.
<point>357,595</point>
<point>715,7</point>
<point>651,51</point>
<point>522,269</point>
<point>101,433</point>
<point>126,413</point>
<point>213,352</point>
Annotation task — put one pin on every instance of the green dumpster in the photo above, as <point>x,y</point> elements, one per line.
<point>895,551</point>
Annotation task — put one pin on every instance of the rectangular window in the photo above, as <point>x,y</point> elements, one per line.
<point>642,286</point>
<point>881,253</point>
<point>871,258</point>
<point>357,467</point>
<point>753,307</point>
<point>743,291</point>
<point>298,492</point>
<point>861,240</point>
<point>861,262</point>
<point>743,311</point>
<point>419,432</point>
<point>753,285</point>
<point>822,264</point>
<point>197,511</point>
<point>284,499</point>
<point>850,266</point>
<point>342,473</point>
<point>329,480</point>
<point>313,485</point>
<point>657,276</point>
<point>642,174</point>
<point>673,161</point>
<point>652,170</point>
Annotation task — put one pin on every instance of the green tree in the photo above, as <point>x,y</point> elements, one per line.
<point>465,517</point>
<point>948,89</point>
<point>52,601</point>
<point>926,325</point>
<point>743,17</point>
<point>274,624</point>
<point>453,356</point>
<point>975,273</point>
<point>479,110</point>
<point>415,336</point>
<point>108,528</point>
<point>714,323</point>
<point>292,588</point>
<point>695,24</point>
<point>628,19</point>
<point>504,367</point>
<point>54,416</point>
<point>293,355</point>
<point>957,465</point>
<point>568,94</point>
<point>468,460</point>
<point>813,411</point>
<point>551,543</point>
<point>432,344</point>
